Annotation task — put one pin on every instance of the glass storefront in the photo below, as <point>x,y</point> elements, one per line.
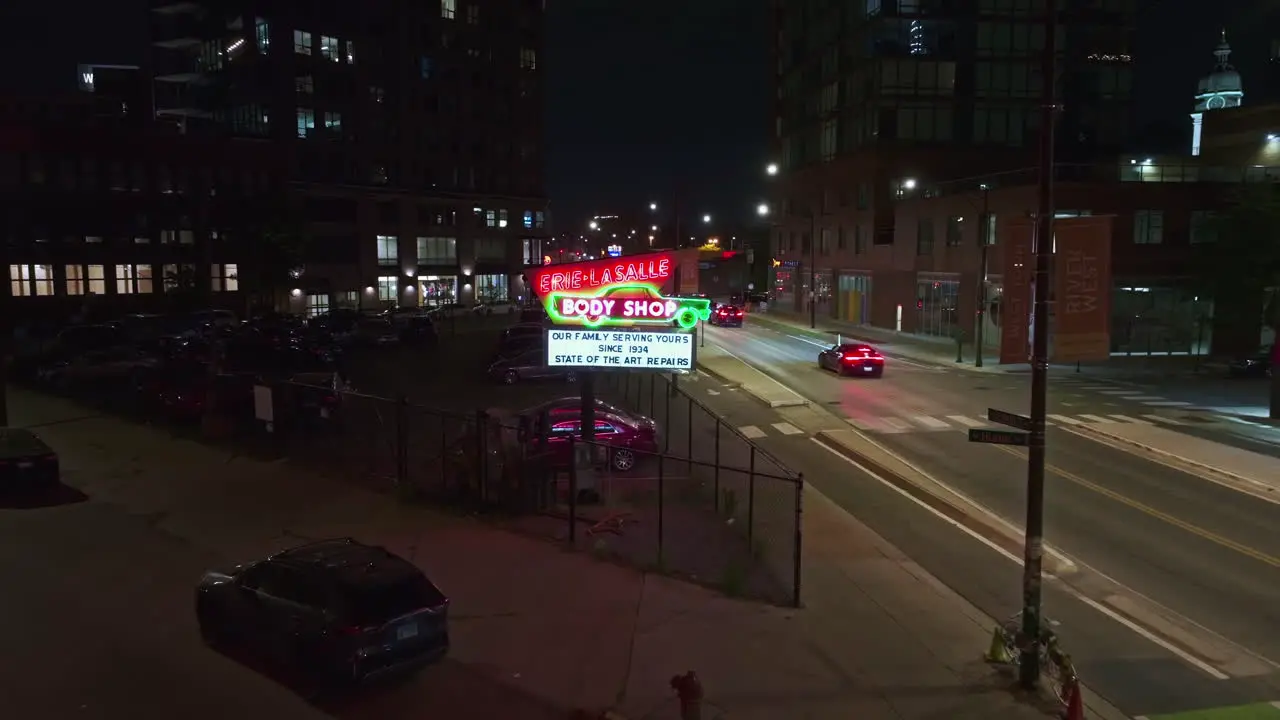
<point>937,298</point>
<point>437,290</point>
<point>784,291</point>
<point>854,302</point>
<point>492,289</point>
<point>1149,320</point>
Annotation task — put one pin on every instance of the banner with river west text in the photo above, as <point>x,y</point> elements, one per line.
<point>1082,289</point>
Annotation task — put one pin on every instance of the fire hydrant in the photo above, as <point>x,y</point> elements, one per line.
<point>689,689</point>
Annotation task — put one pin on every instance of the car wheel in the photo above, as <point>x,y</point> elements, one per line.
<point>511,377</point>
<point>623,460</point>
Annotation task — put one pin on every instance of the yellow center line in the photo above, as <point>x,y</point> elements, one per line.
<point>1157,514</point>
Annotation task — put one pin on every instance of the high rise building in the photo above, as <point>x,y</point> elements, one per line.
<point>411,130</point>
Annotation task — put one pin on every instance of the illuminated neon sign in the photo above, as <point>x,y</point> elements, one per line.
<point>655,269</point>
<point>626,304</point>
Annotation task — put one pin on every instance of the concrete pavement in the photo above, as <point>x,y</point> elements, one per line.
<point>1138,530</point>
<point>536,630</point>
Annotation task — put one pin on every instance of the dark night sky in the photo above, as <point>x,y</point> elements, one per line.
<point>649,100</point>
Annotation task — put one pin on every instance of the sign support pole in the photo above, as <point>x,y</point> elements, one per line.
<point>1033,555</point>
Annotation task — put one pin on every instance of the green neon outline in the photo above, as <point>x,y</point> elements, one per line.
<point>688,310</point>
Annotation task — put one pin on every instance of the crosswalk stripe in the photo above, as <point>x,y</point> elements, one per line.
<point>1064,419</point>
<point>787,429</point>
<point>1095,418</point>
<point>751,432</point>
<point>931,422</point>
<point>1130,420</point>
<point>966,420</point>
<point>1163,419</point>
<point>896,424</point>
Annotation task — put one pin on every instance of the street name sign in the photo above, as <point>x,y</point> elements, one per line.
<point>998,437</point>
<point>1010,419</point>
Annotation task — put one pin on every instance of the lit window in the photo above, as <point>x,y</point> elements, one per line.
<point>528,59</point>
<point>502,218</point>
<point>528,219</point>
<point>262,32</point>
<point>388,250</point>
<point>490,218</point>
<point>351,52</point>
<point>317,305</point>
<point>75,280</point>
<point>491,289</point>
<point>437,251</point>
<point>304,85</point>
<point>93,239</point>
<point>539,219</point>
<point>333,121</point>
<point>1148,227</point>
<point>141,240</point>
<point>387,287</point>
<point>224,278</point>
<point>306,122</point>
<point>329,48</point>
<point>124,279</point>
<point>186,237</point>
<point>302,42</point>
<point>30,280</point>
<point>449,9</point>
<point>142,275</point>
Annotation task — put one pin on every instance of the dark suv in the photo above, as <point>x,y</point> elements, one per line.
<point>335,610</point>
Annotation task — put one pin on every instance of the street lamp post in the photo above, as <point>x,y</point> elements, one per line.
<point>984,236</point>
<point>813,272</point>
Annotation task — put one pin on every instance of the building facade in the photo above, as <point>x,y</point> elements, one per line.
<point>411,133</point>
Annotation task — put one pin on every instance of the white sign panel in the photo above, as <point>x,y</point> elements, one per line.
<point>622,349</point>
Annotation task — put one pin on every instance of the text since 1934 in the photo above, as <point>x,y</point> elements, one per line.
<point>623,350</point>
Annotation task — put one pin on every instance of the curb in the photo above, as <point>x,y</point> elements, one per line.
<point>774,404</point>
<point>1056,563</point>
<point>1203,467</point>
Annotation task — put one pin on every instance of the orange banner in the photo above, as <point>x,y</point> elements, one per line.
<point>1015,303</point>
<point>1082,289</point>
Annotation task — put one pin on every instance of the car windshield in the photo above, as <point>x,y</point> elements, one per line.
<point>374,603</point>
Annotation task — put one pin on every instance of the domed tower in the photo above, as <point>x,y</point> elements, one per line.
<point>1217,90</point>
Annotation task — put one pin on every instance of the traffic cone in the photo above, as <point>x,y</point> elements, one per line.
<point>998,652</point>
<point>1075,704</point>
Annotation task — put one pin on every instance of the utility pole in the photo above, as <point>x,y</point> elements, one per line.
<point>984,234</point>
<point>1033,554</point>
<point>813,272</point>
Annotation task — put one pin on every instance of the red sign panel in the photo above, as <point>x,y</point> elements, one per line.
<point>1082,289</point>
<point>1015,305</point>
<point>655,269</point>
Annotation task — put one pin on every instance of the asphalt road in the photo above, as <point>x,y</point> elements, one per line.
<point>1205,552</point>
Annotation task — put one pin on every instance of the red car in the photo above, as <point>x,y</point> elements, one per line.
<point>727,316</point>
<point>627,436</point>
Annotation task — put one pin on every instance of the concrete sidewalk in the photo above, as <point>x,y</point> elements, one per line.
<point>733,370</point>
<point>539,631</point>
<point>942,351</point>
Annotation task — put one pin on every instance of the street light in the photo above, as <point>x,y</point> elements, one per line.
<point>762,210</point>
<point>653,207</point>
<point>771,169</point>
<point>594,225</point>
<point>706,219</point>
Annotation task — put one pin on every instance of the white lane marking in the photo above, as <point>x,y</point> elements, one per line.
<point>967,421</point>
<point>1129,420</point>
<point>1178,652</point>
<point>787,429</point>
<point>712,392</point>
<point>824,346</point>
<point>1117,392</point>
<point>896,424</point>
<point>1168,403</point>
<point>931,422</point>
<point>1095,418</point>
<point>1064,419</point>
<point>1095,388</point>
<point>1144,398</point>
<point>751,432</point>
<point>1163,419</point>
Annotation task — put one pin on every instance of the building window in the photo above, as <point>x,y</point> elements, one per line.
<point>473,14</point>
<point>333,122</point>
<point>491,249</point>
<point>262,31</point>
<point>1203,227</point>
<point>955,231</point>
<point>93,239</point>
<point>31,280</point>
<point>304,84</point>
<point>317,305</point>
<point>75,279</point>
<point>306,122</point>
<point>528,59</point>
<point>528,219</point>
<point>302,42</point>
<point>449,9</point>
<point>387,287</point>
<point>224,278</point>
<point>437,251</point>
<point>539,219</point>
<point>424,67</point>
<point>859,239</point>
<point>1148,227</point>
<point>989,232</point>
<point>329,48</point>
<point>388,250</point>
<point>133,279</point>
<point>924,237</point>
<point>502,218</point>
<point>491,289</point>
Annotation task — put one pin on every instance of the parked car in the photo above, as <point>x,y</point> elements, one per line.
<point>336,610</point>
<point>100,366</point>
<point>1255,364</point>
<point>417,329</point>
<point>627,435</point>
<point>528,365</point>
<point>852,359</point>
<point>497,308</point>
<point>726,316</point>
<point>450,311</point>
<point>27,464</point>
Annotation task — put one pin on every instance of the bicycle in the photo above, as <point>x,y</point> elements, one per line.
<point>1055,664</point>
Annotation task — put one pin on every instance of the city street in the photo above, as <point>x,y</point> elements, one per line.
<point>1137,531</point>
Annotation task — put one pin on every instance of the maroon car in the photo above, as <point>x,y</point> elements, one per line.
<point>627,436</point>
